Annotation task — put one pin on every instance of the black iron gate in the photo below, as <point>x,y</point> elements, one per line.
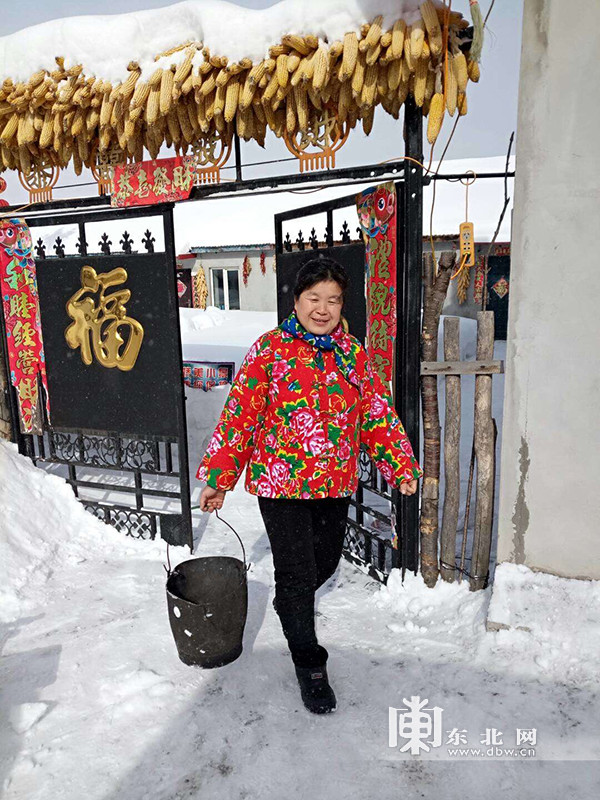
<point>115,377</point>
<point>368,540</point>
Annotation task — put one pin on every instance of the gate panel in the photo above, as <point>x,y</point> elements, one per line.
<point>375,506</point>
<point>117,401</point>
<point>99,397</point>
<point>352,256</point>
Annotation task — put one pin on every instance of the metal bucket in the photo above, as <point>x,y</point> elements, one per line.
<point>207,600</point>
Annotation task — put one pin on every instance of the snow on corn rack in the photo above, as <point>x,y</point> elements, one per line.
<point>194,72</point>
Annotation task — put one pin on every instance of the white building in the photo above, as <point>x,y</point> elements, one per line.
<point>238,276</point>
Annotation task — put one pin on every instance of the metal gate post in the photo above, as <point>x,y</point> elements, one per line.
<point>408,341</point>
<point>184,477</point>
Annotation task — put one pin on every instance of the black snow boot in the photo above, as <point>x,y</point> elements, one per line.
<point>317,694</point>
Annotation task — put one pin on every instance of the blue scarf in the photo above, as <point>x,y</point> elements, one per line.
<point>343,346</point>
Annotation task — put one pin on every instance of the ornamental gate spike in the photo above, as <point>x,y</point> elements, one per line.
<point>105,244</point>
<point>345,233</point>
<point>82,245</point>
<point>126,243</point>
<point>148,241</point>
<point>59,248</point>
<point>40,248</point>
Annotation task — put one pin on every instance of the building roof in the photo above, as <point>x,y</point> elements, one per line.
<point>229,248</point>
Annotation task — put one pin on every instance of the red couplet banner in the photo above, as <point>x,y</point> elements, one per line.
<point>22,320</point>
<point>377,214</point>
<point>162,180</point>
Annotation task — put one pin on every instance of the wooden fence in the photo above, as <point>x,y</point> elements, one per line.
<point>439,545</point>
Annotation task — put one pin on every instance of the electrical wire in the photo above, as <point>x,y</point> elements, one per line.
<point>488,13</point>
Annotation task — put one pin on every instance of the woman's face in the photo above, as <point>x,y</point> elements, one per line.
<point>319,307</point>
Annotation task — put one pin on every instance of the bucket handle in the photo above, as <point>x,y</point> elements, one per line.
<point>168,569</point>
<point>246,566</point>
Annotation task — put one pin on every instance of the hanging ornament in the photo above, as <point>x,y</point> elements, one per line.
<point>3,202</point>
<point>103,167</point>
<point>199,289</point>
<point>467,247</point>
<point>40,180</point>
<point>263,266</point>
<point>325,134</point>
<point>210,153</point>
<point>246,270</point>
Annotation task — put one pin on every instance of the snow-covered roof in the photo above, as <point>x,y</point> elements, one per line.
<point>230,248</point>
<point>203,69</point>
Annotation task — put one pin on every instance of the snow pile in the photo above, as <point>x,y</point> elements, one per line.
<point>106,44</point>
<point>43,526</point>
<point>560,615</point>
<point>197,319</point>
<point>216,335</point>
<point>554,632</point>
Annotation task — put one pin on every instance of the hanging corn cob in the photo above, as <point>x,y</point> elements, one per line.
<point>62,114</point>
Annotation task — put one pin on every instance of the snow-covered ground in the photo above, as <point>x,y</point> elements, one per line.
<point>95,702</point>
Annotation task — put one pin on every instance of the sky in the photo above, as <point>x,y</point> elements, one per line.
<point>483,132</point>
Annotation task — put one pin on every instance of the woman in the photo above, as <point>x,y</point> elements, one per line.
<point>305,397</point>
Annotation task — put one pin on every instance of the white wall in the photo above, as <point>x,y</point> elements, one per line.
<point>261,292</point>
<point>550,462</point>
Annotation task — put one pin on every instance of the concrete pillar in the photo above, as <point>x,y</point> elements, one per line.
<point>550,460</point>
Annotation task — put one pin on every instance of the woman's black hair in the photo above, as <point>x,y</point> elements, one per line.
<point>320,269</point>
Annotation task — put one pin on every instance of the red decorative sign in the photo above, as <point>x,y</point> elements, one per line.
<point>207,374</point>
<point>478,280</point>
<point>162,180</point>
<point>377,215</point>
<point>22,319</point>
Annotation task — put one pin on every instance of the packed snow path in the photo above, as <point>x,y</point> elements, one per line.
<point>95,702</point>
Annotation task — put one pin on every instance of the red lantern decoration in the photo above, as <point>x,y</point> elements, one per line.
<point>263,266</point>
<point>3,202</point>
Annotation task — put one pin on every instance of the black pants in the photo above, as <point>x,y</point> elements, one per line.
<point>306,539</point>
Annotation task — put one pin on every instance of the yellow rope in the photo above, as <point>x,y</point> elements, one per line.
<point>15,211</point>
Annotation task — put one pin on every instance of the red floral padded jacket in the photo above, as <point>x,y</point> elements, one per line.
<point>299,428</point>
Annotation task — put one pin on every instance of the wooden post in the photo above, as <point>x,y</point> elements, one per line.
<point>483,434</point>
<point>434,296</point>
<point>451,452</point>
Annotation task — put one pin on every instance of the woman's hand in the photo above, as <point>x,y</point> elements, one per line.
<point>408,487</point>
<point>211,498</point>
